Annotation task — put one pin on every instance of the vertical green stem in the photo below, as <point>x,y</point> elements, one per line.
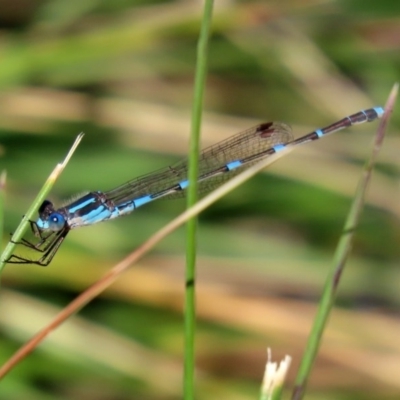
<point>190,305</point>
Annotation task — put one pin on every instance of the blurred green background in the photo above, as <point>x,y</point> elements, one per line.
<point>122,72</point>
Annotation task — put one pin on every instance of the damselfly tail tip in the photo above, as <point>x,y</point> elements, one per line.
<point>379,111</point>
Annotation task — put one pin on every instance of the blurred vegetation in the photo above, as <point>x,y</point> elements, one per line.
<point>122,72</point>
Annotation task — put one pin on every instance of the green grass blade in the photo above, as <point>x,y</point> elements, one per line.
<point>340,257</point>
<point>190,306</point>
<point>42,195</point>
<point>3,177</point>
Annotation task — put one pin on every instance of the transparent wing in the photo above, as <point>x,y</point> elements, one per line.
<point>249,146</point>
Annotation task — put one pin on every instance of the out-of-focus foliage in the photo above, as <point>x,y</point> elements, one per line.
<point>122,72</point>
